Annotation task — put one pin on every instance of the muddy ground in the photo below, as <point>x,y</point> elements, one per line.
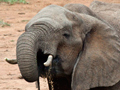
<point>17,15</point>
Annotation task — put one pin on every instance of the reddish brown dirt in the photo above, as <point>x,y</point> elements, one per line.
<point>17,16</point>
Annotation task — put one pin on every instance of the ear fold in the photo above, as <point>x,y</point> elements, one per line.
<point>99,62</point>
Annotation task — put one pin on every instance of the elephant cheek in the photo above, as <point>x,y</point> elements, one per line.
<point>68,61</point>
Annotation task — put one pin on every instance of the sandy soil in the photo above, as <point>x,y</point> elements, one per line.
<point>17,16</point>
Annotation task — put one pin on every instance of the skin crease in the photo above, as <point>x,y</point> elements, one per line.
<point>79,41</point>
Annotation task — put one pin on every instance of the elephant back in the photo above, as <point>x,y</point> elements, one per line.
<point>109,12</point>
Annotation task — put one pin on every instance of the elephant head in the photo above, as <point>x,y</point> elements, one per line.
<point>81,45</point>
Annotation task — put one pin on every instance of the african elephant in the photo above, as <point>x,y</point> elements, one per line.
<point>76,49</point>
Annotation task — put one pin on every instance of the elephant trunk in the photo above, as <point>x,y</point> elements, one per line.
<point>26,55</point>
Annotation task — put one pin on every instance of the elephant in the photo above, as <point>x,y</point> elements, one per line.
<point>75,47</point>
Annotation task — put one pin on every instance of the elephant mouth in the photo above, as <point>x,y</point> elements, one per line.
<point>55,70</point>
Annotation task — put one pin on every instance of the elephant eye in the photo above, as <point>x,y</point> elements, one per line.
<point>66,35</point>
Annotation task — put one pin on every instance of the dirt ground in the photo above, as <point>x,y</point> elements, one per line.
<point>17,16</point>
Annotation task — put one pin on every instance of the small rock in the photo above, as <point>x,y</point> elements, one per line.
<point>20,30</point>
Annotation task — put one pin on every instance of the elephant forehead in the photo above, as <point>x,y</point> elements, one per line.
<point>53,14</point>
<point>53,11</point>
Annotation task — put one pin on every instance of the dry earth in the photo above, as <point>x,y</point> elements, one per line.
<point>17,16</point>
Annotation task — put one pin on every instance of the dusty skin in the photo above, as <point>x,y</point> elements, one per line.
<point>17,16</point>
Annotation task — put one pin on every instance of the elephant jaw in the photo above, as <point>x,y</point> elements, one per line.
<point>49,61</point>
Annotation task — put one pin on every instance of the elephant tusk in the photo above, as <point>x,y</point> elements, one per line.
<point>49,61</point>
<point>11,61</point>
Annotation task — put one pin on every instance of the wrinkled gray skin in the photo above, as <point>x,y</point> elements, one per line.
<point>85,46</point>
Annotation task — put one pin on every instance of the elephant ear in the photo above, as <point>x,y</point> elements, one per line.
<point>98,64</point>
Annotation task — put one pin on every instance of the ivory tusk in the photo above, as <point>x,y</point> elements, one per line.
<point>11,61</point>
<point>49,61</point>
